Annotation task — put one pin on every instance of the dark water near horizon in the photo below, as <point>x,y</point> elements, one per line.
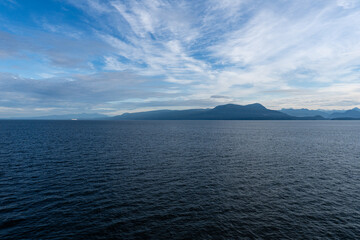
<point>179,180</point>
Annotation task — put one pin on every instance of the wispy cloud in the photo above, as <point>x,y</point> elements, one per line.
<point>279,53</point>
<point>347,4</point>
<point>77,92</point>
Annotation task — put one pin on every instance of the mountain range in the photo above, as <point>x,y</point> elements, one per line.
<point>80,116</point>
<point>305,112</point>
<point>254,111</point>
<point>351,114</point>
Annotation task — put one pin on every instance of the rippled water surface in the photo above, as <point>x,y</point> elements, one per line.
<point>179,179</point>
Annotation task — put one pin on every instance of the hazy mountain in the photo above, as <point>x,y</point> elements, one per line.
<point>161,115</point>
<point>353,113</point>
<point>81,116</point>
<point>223,112</point>
<point>304,112</point>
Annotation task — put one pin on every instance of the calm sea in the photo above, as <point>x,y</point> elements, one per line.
<point>179,179</point>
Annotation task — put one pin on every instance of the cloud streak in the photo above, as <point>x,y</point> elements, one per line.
<point>153,53</point>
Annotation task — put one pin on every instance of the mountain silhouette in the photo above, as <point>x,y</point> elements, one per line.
<point>80,116</point>
<point>303,112</point>
<point>349,114</point>
<point>254,111</point>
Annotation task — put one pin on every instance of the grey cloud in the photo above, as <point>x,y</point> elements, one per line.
<point>219,96</point>
<point>348,103</point>
<point>78,91</point>
<point>172,104</point>
<point>292,91</point>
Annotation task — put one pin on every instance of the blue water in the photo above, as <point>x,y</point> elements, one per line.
<point>179,179</point>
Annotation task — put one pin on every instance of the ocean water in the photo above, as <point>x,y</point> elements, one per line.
<point>179,179</point>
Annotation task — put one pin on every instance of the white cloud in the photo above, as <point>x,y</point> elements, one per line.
<point>347,4</point>
<point>112,63</point>
<point>301,52</point>
<point>272,48</point>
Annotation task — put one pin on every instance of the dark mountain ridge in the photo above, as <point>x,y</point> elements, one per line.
<point>303,112</point>
<point>353,113</point>
<point>254,111</point>
<point>80,116</point>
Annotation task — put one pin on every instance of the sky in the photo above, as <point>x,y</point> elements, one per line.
<point>116,56</point>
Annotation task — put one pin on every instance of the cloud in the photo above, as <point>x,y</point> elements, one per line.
<point>347,4</point>
<point>77,91</point>
<point>219,96</point>
<point>155,53</point>
<point>111,63</point>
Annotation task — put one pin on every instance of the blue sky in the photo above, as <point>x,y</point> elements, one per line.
<point>72,56</point>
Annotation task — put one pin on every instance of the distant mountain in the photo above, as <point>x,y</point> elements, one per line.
<point>81,116</point>
<point>305,112</point>
<point>161,115</point>
<point>349,114</point>
<point>223,112</point>
<point>345,118</point>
